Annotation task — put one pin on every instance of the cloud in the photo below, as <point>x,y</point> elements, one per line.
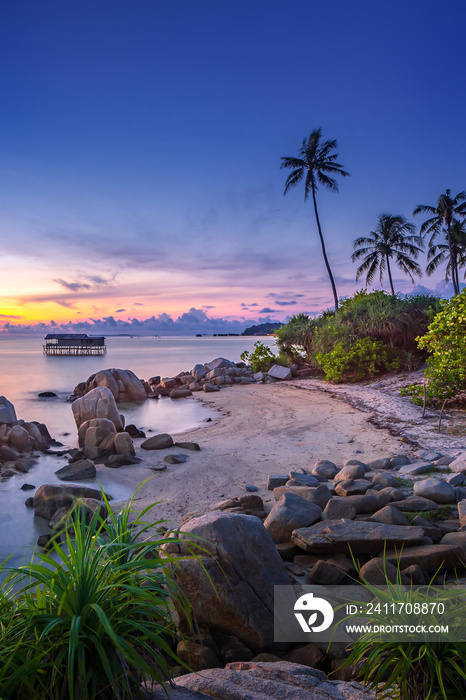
<point>286,303</point>
<point>72,286</point>
<point>119,311</point>
<point>138,303</point>
<point>10,316</point>
<point>266,311</point>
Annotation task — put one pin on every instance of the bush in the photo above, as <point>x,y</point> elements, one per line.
<point>93,618</point>
<point>261,358</point>
<point>364,358</point>
<point>445,340</point>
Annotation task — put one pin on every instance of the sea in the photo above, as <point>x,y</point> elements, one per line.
<point>25,372</point>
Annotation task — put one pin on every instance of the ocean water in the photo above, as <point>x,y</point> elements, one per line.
<point>25,371</point>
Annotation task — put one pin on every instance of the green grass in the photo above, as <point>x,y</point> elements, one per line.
<point>443,513</point>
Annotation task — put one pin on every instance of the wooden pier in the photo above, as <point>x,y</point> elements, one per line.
<point>73,344</point>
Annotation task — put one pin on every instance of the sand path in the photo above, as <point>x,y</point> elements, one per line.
<point>256,430</point>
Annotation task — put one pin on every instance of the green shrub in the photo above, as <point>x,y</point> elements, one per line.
<point>363,359</point>
<point>445,340</point>
<point>92,619</point>
<point>295,338</point>
<point>261,358</point>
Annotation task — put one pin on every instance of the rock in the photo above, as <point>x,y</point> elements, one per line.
<point>121,460</point>
<point>159,468</point>
<point>393,494</point>
<point>251,488</point>
<point>353,488</point>
<point>96,437</point>
<point>259,376</point>
<point>428,455</point>
<point>456,538</point>
<point>399,461</point>
<point>193,446</point>
<point>50,497</point>
<point>7,411</point>
<point>319,495</point>
<point>350,472</point>
<point>302,479</point>
<point>44,541</point>
<point>97,403</point>
<point>416,468</point>
<point>356,536</point>
<point>19,439</point>
<point>24,464</point>
<point>377,572</point>
<point>181,393</point>
<point>413,504</point>
<point>243,568</point>
<point>288,513</point>
<point>8,454</point>
<point>209,388</point>
<point>338,508</point>
<point>175,459</point>
<point>384,480</point>
<point>326,573</point>
<point>123,444</point>
<point>325,468</point>
<point>279,372</point>
<point>308,655</point>
<point>356,463</point>
<point>458,464</point>
<point>436,490</point>
<point>196,656</point>
<point>122,383</point>
<point>261,681</point>
<point>27,487</point>
<point>46,394</point>
<point>390,516</point>
<point>276,480</point>
<point>456,479</point>
<point>430,530</point>
<point>158,442</point>
<point>363,504</point>
<point>198,372</point>
<point>433,557</point>
<point>462,512</point>
<point>29,502</point>
<point>77,471</point>
<point>231,649</point>
<point>415,575</point>
<point>219,363</point>
<point>446,526</point>
<point>134,432</point>
<point>382,463</point>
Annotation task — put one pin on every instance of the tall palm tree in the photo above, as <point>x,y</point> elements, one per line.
<point>393,239</point>
<point>442,216</point>
<point>315,164</point>
<point>439,253</point>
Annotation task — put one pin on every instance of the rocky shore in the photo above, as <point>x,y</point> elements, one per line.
<point>286,487</point>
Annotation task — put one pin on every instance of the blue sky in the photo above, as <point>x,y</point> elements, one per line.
<point>141,147</point>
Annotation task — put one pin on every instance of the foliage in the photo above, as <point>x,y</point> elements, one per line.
<point>262,328</point>
<point>261,358</point>
<point>392,320</point>
<point>418,668</point>
<point>316,165</point>
<point>393,239</point>
<point>364,358</point>
<point>92,618</point>
<point>445,340</point>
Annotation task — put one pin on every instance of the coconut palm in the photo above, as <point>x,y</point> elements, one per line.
<point>439,253</point>
<point>443,214</point>
<point>394,239</point>
<point>315,165</point>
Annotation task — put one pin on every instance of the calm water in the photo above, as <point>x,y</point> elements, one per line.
<point>25,371</point>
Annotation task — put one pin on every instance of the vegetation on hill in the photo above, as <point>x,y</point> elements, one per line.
<point>262,328</point>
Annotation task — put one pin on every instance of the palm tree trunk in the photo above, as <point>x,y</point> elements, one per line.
<point>454,269</point>
<point>390,275</point>
<point>324,252</point>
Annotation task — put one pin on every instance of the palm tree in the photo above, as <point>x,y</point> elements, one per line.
<point>393,239</point>
<point>442,216</point>
<point>315,164</point>
<point>439,253</point>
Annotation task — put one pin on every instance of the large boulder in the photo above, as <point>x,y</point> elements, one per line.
<point>279,372</point>
<point>355,536</point>
<point>436,490</point>
<point>261,680</point>
<point>219,363</point>
<point>158,442</point>
<point>77,471</point>
<point>19,439</point>
<point>288,514</point>
<point>123,384</point>
<point>97,403</point>
<point>243,565</point>
<point>7,411</point>
<point>430,557</point>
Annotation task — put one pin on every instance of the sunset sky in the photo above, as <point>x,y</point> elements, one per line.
<point>140,181</point>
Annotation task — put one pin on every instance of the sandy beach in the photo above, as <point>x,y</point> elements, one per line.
<point>257,430</point>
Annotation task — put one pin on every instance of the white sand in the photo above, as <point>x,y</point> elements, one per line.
<point>260,430</point>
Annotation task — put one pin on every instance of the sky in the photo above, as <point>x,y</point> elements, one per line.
<point>140,181</point>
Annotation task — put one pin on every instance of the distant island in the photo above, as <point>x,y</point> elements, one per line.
<point>262,328</point>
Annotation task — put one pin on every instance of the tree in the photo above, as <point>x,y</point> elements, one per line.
<point>439,253</point>
<point>315,164</point>
<point>442,216</point>
<point>393,239</point>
